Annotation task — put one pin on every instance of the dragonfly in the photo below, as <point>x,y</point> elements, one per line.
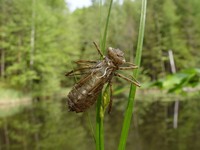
<point>97,73</point>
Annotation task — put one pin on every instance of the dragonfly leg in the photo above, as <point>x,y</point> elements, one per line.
<point>131,64</point>
<point>98,49</point>
<point>127,68</point>
<point>79,69</point>
<point>127,79</point>
<point>86,62</point>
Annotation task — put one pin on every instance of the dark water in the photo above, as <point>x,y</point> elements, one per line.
<point>49,126</point>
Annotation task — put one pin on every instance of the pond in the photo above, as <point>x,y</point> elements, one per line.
<point>48,125</point>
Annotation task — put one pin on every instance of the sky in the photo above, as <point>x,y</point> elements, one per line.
<point>73,4</point>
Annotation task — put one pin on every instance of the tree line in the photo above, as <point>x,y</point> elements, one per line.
<point>39,39</point>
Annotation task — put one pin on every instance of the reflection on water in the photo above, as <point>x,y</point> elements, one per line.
<point>48,125</point>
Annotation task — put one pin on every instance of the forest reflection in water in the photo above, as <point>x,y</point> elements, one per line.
<point>48,125</point>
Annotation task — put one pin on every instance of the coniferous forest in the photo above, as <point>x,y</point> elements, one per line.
<point>39,42</point>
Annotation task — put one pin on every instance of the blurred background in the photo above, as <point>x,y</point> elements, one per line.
<point>39,40</point>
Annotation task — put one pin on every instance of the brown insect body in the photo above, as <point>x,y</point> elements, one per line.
<point>85,92</point>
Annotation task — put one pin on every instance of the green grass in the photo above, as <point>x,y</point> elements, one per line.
<point>129,110</point>
<point>100,111</point>
<point>130,106</point>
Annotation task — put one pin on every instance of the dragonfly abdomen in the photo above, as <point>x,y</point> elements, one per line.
<point>83,96</point>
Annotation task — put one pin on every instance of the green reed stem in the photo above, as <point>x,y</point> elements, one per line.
<point>129,109</point>
<point>103,43</point>
<point>99,126</point>
<point>99,111</point>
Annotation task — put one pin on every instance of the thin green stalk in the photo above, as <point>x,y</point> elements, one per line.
<point>99,126</point>
<point>103,43</point>
<point>100,111</point>
<point>129,109</point>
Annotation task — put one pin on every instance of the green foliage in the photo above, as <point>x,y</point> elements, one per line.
<point>179,82</point>
<point>61,37</point>
<point>132,93</point>
<point>50,46</point>
<point>165,32</point>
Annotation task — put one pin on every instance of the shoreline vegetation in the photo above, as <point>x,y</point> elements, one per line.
<point>10,105</point>
<point>12,101</point>
<point>12,98</point>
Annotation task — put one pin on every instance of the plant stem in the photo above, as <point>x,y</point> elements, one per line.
<point>129,109</point>
<point>99,111</point>
<point>103,44</point>
<point>99,126</point>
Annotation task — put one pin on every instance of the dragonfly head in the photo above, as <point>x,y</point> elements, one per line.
<point>116,55</point>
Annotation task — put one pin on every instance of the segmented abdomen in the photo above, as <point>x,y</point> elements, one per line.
<point>85,92</point>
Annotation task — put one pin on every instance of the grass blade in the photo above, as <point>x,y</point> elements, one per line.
<point>99,126</point>
<point>129,109</point>
<point>99,111</point>
<point>103,43</point>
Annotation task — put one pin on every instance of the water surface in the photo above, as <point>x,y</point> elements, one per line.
<point>48,125</point>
